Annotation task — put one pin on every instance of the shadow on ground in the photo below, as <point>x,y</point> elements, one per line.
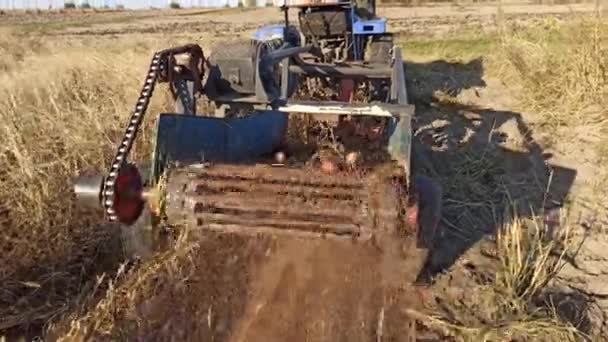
<point>485,159</point>
<point>487,163</point>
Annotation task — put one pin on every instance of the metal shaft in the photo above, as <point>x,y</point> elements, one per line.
<point>88,190</point>
<point>309,69</point>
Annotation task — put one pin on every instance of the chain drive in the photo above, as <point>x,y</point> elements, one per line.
<point>159,64</point>
<point>130,135</point>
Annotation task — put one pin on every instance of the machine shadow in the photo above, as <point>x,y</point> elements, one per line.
<point>451,78</point>
<point>485,159</point>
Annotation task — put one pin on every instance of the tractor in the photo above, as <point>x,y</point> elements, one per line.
<point>232,168</point>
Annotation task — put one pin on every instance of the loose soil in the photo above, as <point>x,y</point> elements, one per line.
<point>263,289</point>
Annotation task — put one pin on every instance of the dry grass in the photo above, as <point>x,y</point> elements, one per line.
<point>509,307</point>
<point>127,294</point>
<point>563,69</point>
<point>62,107</point>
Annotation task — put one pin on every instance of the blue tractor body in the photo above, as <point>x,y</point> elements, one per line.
<point>352,30</point>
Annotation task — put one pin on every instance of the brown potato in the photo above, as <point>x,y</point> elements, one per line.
<point>329,166</point>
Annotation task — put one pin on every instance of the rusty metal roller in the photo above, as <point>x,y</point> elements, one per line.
<point>257,199</point>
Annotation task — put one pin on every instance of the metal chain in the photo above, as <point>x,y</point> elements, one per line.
<point>154,73</point>
<point>130,134</point>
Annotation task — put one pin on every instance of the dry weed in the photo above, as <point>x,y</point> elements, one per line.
<point>62,109</point>
<point>473,189</point>
<point>563,69</point>
<point>507,309</point>
<point>127,296</point>
<point>531,253</point>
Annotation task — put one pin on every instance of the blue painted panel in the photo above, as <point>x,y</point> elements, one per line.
<point>195,139</point>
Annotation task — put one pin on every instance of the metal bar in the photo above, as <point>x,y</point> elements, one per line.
<point>313,194</point>
<point>285,79</point>
<point>261,173</point>
<point>380,71</point>
<point>280,204</point>
<point>344,108</point>
<point>278,55</point>
<point>398,85</point>
<point>254,231</point>
<point>330,107</point>
<point>400,142</point>
<point>248,220</point>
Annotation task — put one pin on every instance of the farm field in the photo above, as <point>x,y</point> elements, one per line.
<point>511,119</point>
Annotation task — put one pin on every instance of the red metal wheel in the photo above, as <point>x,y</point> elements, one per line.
<point>128,198</point>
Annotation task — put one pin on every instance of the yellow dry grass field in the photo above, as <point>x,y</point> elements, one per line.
<point>498,97</point>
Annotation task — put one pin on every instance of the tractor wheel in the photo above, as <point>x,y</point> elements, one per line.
<point>293,78</point>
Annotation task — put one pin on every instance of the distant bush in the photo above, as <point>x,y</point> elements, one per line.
<point>174,5</point>
<point>69,5</point>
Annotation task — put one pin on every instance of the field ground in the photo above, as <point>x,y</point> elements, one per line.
<point>511,114</point>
